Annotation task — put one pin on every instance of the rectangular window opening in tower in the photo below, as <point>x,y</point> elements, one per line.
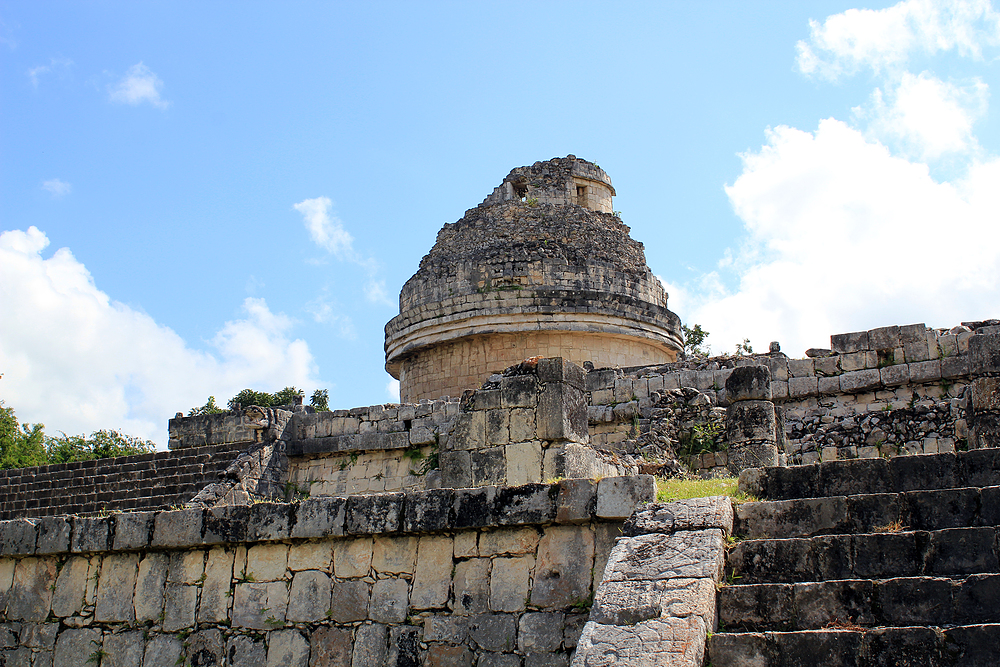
<point>581,195</point>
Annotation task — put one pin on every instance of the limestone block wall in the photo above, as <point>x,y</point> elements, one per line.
<point>226,428</point>
<point>884,392</point>
<point>442,577</point>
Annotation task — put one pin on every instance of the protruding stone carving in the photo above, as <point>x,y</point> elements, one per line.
<point>751,420</point>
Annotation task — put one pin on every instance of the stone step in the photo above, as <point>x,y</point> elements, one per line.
<point>901,601</point>
<point>913,510</point>
<point>959,646</point>
<point>947,552</point>
<point>978,468</point>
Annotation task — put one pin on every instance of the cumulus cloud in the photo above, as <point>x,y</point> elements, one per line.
<point>78,361</point>
<point>55,65</point>
<point>844,235</point>
<point>325,228</point>
<point>928,117</point>
<point>323,312</point>
<point>140,84</point>
<point>885,39</point>
<point>849,227</point>
<point>57,188</point>
<point>392,390</point>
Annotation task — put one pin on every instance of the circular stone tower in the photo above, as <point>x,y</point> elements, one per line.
<point>541,267</point>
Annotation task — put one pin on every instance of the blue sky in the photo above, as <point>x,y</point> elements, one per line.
<point>201,197</point>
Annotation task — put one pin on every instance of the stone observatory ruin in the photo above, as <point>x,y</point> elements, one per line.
<point>517,525</point>
<point>543,267</point>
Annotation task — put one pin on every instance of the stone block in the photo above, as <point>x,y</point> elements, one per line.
<point>522,424</point>
<point>562,413</point>
<point>226,524</point>
<point>849,342</point>
<point>563,568</point>
<point>17,537</point>
<point>177,528</point>
<point>89,534</point>
<point>953,368</point>
<point>180,603</point>
<point>756,606</point>
<point>267,562</point>
<point>599,379</point>
<point>916,601</point>
<point>126,649</point>
<point>53,535</point>
<point>330,647</point>
<point>689,554</point>
<point>244,651</point>
<point>577,500</point>
<point>493,632</point>
<point>115,588</point>
<point>985,393</point>
<point>75,646</point>
<point>489,466</point>
<point>540,632</point>
<point>375,513</point>
<point>819,604</point>
<point>518,391</point>
<point>259,605</point>
<point>855,361</point>
<point>427,511</point>
<point>451,629</point>
<point>349,602</point>
<point>470,581</point>
<point>631,602</point>
<point>320,516</point>
<point>828,385</point>
<point>798,368</point>
<point>431,578</point>
<point>163,651</point>
<point>861,380</point>
<point>799,387</point>
<point>894,376</point>
<point>961,551</point>
<point>509,583</point>
<point>150,582</point>
<point>473,507</point>
<point>671,641</point>
<point>917,351</point>
<point>352,557</point>
<point>925,371</point>
<point>497,427</point>
<point>404,645</point>
<point>749,383</point>
<point>31,589</point>
<point>528,503</point>
<point>884,338</point>
<point>618,497</point>
<point>269,521</point>
<point>469,431</point>
<point>456,469</point>
<point>308,597</point>
<point>507,541</point>
<point>557,369</point>
<point>984,355</point>
<point>688,514</point>
<point>750,422</point>
<point>287,648</point>
<point>800,517</point>
<point>215,592</point>
<point>394,555</point>
<point>524,463</point>
<point>445,655</point>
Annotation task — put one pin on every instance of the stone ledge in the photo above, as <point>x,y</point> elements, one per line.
<point>566,502</point>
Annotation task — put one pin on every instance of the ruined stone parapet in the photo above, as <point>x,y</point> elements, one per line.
<point>513,279</point>
<point>984,400</point>
<point>751,420</point>
<point>567,180</point>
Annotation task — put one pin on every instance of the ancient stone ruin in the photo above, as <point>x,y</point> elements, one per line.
<point>504,514</point>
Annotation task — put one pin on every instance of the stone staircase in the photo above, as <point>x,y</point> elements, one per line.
<point>865,562</point>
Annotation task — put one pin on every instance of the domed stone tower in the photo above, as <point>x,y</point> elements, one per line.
<point>541,267</point>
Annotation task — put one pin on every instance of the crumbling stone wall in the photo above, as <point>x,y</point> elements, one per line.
<point>494,575</point>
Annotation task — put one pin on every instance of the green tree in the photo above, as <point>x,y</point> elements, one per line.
<point>210,408</point>
<point>249,397</point>
<point>100,445</point>
<point>21,445</point>
<point>694,340</point>
<point>286,396</point>
<point>320,400</point>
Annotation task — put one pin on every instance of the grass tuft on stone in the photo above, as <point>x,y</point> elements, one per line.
<point>679,489</point>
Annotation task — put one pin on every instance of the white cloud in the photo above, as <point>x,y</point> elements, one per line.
<point>57,188</point>
<point>375,292</point>
<point>928,117</point>
<point>885,39</point>
<point>843,236</point>
<point>392,390</point>
<point>55,65</point>
<point>325,228</point>
<point>78,361</point>
<point>323,313</point>
<point>139,85</point>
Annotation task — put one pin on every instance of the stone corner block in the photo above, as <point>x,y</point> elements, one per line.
<point>688,514</point>
<point>619,497</point>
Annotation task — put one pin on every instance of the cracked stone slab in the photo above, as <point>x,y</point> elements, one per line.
<point>689,514</point>
<point>673,642</point>
<point>688,554</point>
<point>631,602</point>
